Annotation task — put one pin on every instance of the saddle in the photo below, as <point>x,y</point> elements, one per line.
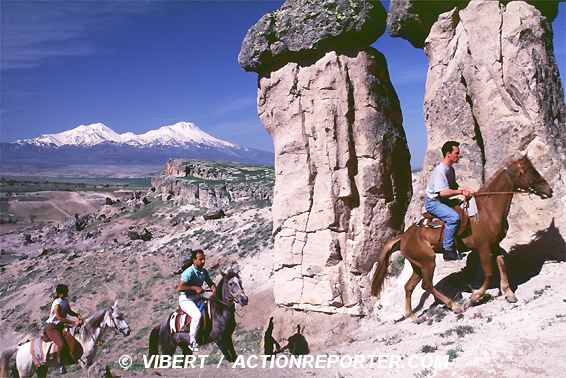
<point>180,321</point>
<point>42,347</point>
<point>429,220</point>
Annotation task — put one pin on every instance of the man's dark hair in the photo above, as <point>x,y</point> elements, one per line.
<point>62,289</point>
<point>449,146</point>
<point>195,252</point>
<point>188,262</point>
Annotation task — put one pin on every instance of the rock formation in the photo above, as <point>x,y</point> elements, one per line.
<point>213,184</point>
<point>413,19</point>
<point>493,85</point>
<point>342,174</point>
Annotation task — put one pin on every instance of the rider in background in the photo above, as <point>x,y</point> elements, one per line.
<point>440,187</point>
<point>57,320</point>
<point>191,291</point>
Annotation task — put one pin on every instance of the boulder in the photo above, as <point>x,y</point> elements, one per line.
<point>216,213</point>
<point>307,29</point>
<point>145,235</point>
<point>27,239</point>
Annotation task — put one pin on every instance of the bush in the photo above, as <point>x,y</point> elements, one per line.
<point>428,349</point>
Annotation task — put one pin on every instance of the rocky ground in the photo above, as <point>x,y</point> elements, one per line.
<point>101,263</point>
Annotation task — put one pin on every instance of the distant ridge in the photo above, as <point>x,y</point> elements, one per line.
<point>98,144</point>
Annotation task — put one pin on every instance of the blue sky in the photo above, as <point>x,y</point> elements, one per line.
<point>138,65</point>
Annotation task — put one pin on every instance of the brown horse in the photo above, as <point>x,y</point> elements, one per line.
<point>493,200</point>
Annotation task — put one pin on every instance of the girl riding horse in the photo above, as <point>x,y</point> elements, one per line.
<point>60,308</point>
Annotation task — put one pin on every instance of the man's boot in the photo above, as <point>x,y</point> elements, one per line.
<point>451,255</point>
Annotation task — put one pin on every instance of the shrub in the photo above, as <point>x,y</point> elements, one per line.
<point>428,349</point>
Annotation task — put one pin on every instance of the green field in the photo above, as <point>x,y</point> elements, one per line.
<point>35,184</point>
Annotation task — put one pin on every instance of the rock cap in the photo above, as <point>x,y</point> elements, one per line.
<point>304,29</point>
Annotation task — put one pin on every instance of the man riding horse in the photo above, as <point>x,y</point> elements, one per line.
<point>441,186</point>
<point>191,291</point>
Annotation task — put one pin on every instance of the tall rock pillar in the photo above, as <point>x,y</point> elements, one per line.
<point>342,173</point>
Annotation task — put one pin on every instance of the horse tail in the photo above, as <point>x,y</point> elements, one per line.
<point>154,340</point>
<point>5,356</point>
<point>391,246</point>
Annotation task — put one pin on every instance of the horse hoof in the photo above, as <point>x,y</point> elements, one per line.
<point>468,304</point>
<point>511,298</point>
<point>417,320</point>
<point>457,309</point>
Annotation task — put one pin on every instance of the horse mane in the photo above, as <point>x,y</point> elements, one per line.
<point>92,322</point>
<point>505,164</point>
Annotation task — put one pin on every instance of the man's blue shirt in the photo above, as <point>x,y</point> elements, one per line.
<point>194,277</point>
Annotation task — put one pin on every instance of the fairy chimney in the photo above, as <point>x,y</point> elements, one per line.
<point>342,168</point>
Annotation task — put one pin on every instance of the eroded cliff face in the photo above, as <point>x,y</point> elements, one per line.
<point>342,176</point>
<point>342,173</point>
<point>213,184</point>
<point>493,85</point>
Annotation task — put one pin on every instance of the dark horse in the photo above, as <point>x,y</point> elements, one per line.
<point>218,325</point>
<point>493,200</point>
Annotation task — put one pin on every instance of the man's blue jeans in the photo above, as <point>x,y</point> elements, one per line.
<point>448,215</point>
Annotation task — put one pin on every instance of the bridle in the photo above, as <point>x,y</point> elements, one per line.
<point>232,296</point>
<point>114,324</point>
<point>509,175</point>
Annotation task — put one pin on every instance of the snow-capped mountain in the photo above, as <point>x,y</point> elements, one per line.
<point>179,134</point>
<point>97,144</point>
<point>83,135</point>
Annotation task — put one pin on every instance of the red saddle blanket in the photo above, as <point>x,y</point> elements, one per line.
<point>179,321</point>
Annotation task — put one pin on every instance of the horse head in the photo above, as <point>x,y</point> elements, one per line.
<point>525,177</point>
<point>232,289</point>
<point>115,319</point>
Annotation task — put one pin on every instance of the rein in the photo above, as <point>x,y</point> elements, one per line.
<point>492,193</point>
<point>508,175</point>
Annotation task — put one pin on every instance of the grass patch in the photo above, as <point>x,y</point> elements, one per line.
<point>258,237</point>
<point>247,342</point>
<point>150,209</point>
<point>142,333</point>
<point>33,328</point>
<point>436,313</point>
<point>391,340</point>
<point>396,267</point>
<point>153,279</point>
<point>460,330</point>
<point>135,291</point>
<point>105,304</point>
<point>454,353</point>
